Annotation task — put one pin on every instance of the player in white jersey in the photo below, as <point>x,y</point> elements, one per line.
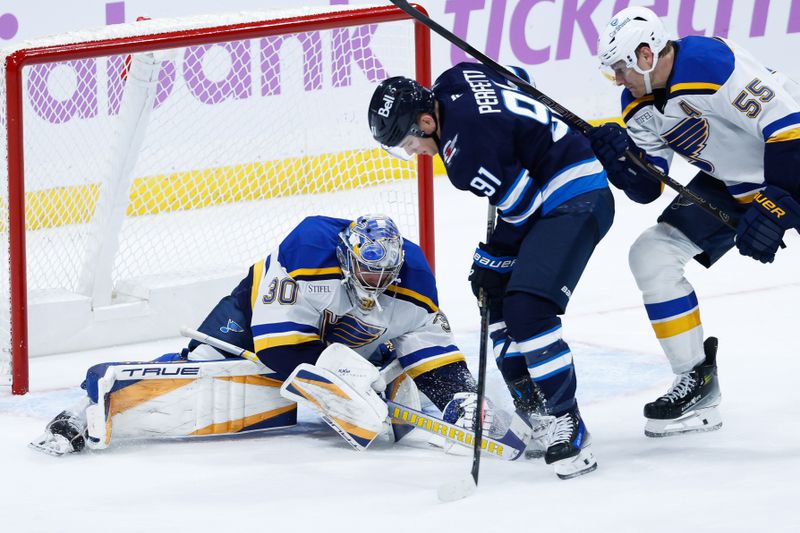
<point>738,122</point>
<point>330,283</point>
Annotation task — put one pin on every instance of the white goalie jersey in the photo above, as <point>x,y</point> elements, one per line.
<point>299,299</point>
<point>720,109</point>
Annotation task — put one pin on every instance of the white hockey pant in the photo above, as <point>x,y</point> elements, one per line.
<point>658,260</point>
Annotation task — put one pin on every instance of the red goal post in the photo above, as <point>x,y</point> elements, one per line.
<point>49,212</point>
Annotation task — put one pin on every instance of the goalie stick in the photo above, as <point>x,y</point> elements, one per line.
<point>573,120</point>
<point>508,446</point>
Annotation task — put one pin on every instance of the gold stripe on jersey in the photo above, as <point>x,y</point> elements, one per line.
<point>258,275</point>
<point>435,363</point>
<point>694,87</point>
<point>314,272</point>
<point>265,343</point>
<point>414,297</point>
<point>789,135</point>
<point>679,325</point>
<point>635,106</point>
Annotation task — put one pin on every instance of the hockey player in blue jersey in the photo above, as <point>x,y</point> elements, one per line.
<point>738,122</point>
<point>554,206</point>
<point>331,283</point>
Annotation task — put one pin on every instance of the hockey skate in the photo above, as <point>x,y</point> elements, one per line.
<point>569,450</point>
<point>64,434</point>
<point>691,403</point>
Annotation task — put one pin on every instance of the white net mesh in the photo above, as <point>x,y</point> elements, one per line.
<point>240,140</point>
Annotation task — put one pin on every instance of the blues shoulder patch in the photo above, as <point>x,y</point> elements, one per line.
<point>308,253</point>
<point>702,66</point>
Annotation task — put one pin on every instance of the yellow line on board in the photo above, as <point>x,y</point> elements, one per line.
<point>195,189</point>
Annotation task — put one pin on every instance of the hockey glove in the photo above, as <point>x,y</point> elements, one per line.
<point>610,142</point>
<point>490,272</point>
<point>761,229</point>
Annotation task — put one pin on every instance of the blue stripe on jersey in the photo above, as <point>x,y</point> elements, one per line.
<point>516,192</point>
<point>670,308</point>
<point>282,327</point>
<point>788,120</point>
<point>574,188</point>
<point>742,188</point>
<point>565,184</point>
<point>426,353</point>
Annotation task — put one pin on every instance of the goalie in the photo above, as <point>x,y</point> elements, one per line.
<point>336,300</point>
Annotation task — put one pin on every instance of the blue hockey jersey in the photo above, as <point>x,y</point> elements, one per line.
<point>498,142</point>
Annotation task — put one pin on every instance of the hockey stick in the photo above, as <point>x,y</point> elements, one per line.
<point>224,346</point>
<point>466,486</point>
<point>508,447</point>
<point>569,117</point>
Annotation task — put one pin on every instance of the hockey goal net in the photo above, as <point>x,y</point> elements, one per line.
<point>146,165</point>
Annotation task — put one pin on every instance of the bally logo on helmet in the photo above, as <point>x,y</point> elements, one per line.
<point>388,102</point>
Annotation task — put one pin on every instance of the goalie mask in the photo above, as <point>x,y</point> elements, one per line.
<point>622,36</point>
<point>370,252</point>
<point>394,109</point>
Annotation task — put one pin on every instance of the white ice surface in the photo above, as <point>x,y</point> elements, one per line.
<point>742,478</point>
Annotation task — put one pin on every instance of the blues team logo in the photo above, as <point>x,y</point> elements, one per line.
<point>231,327</point>
<point>449,151</point>
<point>349,330</point>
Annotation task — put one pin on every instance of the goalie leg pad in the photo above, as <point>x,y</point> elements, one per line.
<point>695,421</point>
<point>179,399</point>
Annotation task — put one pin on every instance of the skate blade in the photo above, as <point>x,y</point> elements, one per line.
<point>54,445</point>
<point>581,464</point>
<point>698,421</point>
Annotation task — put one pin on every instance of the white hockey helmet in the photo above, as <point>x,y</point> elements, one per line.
<point>627,30</point>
